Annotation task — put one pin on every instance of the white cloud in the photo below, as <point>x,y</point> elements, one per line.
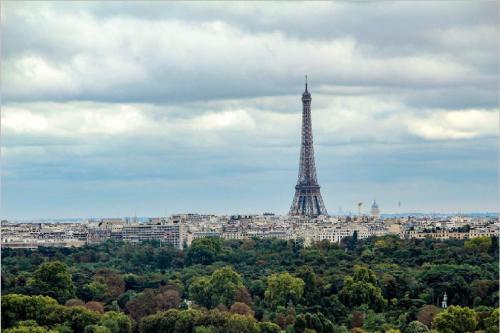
<point>32,73</point>
<point>72,119</point>
<point>237,120</point>
<point>466,124</point>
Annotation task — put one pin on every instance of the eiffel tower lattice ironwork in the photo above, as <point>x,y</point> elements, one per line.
<point>307,200</point>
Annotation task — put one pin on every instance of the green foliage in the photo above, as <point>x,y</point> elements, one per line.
<point>79,318</point>
<point>374,322</point>
<point>478,244</point>
<point>283,288</point>
<point>199,291</point>
<point>491,323</point>
<point>96,329</point>
<point>484,290</point>
<point>160,322</point>
<point>21,307</point>
<point>364,274</point>
<point>175,321</point>
<point>117,322</point>
<point>187,320</point>
<point>29,329</point>
<point>316,322</point>
<point>362,289</point>
<point>164,258</point>
<point>352,241</point>
<point>44,311</point>
<point>456,319</point>
<point>53,279</point>
<point>224,284</point>
<point>311,290</point>
<point>267,327</point>
<point>95,291</point>
<point>204,329</point>
<point>241,324</point>
<point>416,327</point>
<point>204,250</point>
<point>124,298</point>
<point>258,288</point>
<point>63,328</point>
<point>220,288</point>
<point>28,326</point>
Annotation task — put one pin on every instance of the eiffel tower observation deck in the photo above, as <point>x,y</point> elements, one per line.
<point>307,200</point>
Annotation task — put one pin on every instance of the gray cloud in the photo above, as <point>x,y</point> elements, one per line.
<point>108,54</point>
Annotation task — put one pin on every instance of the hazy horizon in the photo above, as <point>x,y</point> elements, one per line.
<point>151,109</point>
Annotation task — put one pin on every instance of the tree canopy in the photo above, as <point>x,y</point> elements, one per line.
<point>379,284</point>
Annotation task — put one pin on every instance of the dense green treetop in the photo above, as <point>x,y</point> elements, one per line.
<point>456,319</point>
<point>283,288</point>
<point>53,279</point>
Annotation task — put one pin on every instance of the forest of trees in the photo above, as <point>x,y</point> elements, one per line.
<point>382,284</point>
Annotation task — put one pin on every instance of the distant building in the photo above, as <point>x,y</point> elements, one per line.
<point>336,234</point>
<point>375,211</point>
<point>169,233</point>
<point>443,234</point>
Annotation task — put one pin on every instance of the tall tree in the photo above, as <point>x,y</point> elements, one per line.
<point>204,250</point>
<point>492,322</point>
<point>416,327</point>
<point>455,319</point>
<point>283,288</point>
<point>311,290</point>
<point>361,289</point>
<point>222,287</point>
<point>117,322</point>
<point>53,279</point>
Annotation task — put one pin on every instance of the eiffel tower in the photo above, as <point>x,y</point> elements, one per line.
<point>307,200</point>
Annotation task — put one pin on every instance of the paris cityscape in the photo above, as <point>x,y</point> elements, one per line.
<point>307,220</point>
<point>250,167</point>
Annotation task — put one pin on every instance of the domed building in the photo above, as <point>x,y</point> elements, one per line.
<point>375,211</point>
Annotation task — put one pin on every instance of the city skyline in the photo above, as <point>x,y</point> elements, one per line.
<point>177,107</point>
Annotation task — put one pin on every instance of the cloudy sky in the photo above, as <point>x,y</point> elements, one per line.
<point>116,109</point>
